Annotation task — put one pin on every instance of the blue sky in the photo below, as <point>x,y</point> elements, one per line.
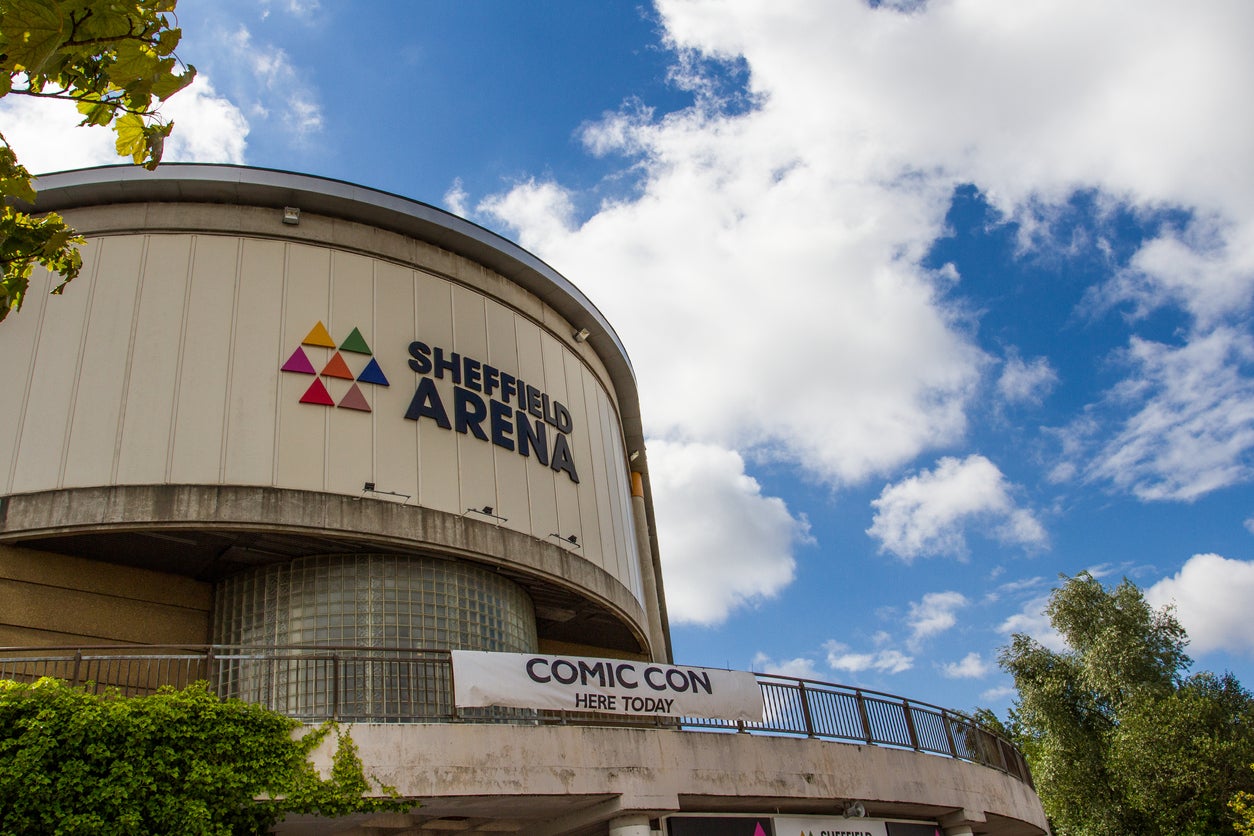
<point>929,302</point>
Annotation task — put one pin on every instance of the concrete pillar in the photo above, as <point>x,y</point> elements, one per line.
<point>630,826</point>
<point>962,822</point>
<point>657,636</point>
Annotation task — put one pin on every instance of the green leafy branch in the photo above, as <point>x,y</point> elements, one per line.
<point>177,761</point>
<point>115,60</point>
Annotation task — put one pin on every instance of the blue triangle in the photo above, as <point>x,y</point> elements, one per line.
<point>373,374</point>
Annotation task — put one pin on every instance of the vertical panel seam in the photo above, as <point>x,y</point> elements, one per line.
<point>78,370</point>
<point>130,360</point>
<point>327,411</point>
<point>30,376</point>
<point>487,340</point>
<point>413,283</point>
<point>457,439</point>
<point>230,362</point>
<point>277,438</point>
<point>374,339</point>
<point>178,377</point>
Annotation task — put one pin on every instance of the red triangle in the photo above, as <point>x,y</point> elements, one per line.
<point>337,368</point>
<point>355,400</point>
<point>317,393</point>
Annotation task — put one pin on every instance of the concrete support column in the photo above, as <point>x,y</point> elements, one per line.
<point>962,822</point>
<point>630,826</point>
<point>657,636</point>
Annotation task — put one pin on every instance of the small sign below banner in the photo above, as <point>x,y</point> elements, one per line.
<point>610,686</point>
<point>821,826</point>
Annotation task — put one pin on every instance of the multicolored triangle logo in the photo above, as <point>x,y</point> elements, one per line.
<point>318,350</point>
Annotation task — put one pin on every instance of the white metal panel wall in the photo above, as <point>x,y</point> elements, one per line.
<point>161,364</point>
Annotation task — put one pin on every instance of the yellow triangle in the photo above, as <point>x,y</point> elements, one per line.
<point>318,336</point>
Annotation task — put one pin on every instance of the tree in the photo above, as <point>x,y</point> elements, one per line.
<point>114,59</point>
<point>180,762</point>
<point>1119,739</point>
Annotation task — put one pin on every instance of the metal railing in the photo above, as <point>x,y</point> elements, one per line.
<point>387,685</point>
<point>808,708</point>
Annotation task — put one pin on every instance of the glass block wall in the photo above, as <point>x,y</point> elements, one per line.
<point>394,605</point>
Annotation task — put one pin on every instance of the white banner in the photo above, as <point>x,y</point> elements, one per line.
<point>610,686</point>
<point>822,826</point>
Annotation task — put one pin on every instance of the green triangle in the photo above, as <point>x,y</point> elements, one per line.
<point>356,343</point>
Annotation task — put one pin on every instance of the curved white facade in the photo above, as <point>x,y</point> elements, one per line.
<point>245,330</point>
<point>163,365</point>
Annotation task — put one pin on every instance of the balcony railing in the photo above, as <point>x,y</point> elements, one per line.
<point>382,685</point>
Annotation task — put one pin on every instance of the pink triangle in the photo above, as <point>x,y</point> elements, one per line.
<point>355,400</point>
<point>757,830</point>
<point>298,363</point>
<point>317,393</point>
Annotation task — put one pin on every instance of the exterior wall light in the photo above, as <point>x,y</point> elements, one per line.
<point>487,511</point>
<point>369,488</point>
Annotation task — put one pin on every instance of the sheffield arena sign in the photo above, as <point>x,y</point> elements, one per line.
<point>610,686</point>
<point>488,402</point>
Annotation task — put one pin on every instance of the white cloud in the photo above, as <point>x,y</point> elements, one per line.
<point>997,694</point>
<point>970,666</point>
<point>933,615</point>
<point>455,199</point>
<point>1031,621</point>
<point>1212,597</point>
<point>1193,431</point>
<point>1207,267</point>
<point>208,128</point>
<point>1011,587</point>
<point>927,514</point>
<point>302,8</point>
<point>887,661</point>
<point>544,209</point>
<point>1025,382</point>
<point>799,668</point>
<point>43,132</point>
<point>724,545</point>
<point>784,230</point>
<point>268,86</point>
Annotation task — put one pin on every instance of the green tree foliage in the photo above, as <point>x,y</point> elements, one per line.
<point>175,762</point>
<point>114,59</point>
<point>1242,806</point>
<point>1119,739</point>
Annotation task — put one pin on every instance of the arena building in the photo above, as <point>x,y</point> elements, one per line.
<point>352,457</point>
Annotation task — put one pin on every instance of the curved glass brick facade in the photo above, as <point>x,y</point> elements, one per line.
<point>399,605</point>
<point>375,600</point>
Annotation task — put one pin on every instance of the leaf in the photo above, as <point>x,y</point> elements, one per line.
<point>168,84</point>
<point>33,30</point>
<point>131,141</point>
<point>133,66</point>
<point>14,178</point>
<point>95,112</point>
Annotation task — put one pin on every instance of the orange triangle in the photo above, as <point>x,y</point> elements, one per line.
<point>355,400</point>
<point>318,336</point>
<point>337,368</point>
